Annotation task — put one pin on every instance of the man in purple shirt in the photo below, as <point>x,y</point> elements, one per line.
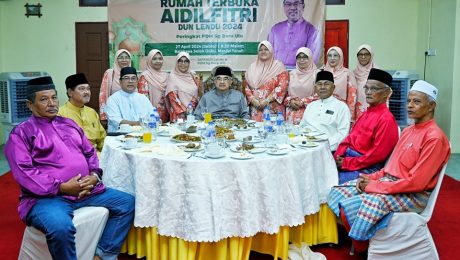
<point>288,36</point>
<point>58,171</point>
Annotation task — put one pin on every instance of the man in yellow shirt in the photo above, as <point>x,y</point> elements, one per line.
<point>79,93</point>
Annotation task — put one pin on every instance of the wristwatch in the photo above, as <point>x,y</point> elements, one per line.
<point>97,176</point>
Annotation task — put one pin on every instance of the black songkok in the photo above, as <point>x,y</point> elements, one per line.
<point>381,76</point>
<point>39,84</point>
<point>127,70</point>
<point>74,80</point>
<point>324,75</point>
<point>223,70</point>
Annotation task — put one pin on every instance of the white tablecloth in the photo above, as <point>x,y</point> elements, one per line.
<point>207,200</point>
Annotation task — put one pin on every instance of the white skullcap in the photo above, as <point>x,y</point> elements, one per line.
<point>426,88</point>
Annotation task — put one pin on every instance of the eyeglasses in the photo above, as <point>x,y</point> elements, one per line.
<point>302,57</point>
<point>372,89</point>
<point>295,4</point>
<point>133,78</point>
<point>123,58</point>
<point>222,78</point>
<point>323,84</point>
<point>333,56</point>
<point>363,55</point>
<point>183,61</point>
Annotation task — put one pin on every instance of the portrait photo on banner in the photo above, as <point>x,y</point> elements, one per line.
<point>215,32</point>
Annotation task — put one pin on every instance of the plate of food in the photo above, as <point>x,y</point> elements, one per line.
<point>251,139</point>
<point>242,147</point>
<point>242,156</point>
<point>191,147</point>
<point>318,138</point>
<point>185,138</point>
<point>308,144</point>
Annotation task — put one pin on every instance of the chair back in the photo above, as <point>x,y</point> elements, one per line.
<point>428,211</point>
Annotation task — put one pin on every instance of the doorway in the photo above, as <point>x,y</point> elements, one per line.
<point>336,34</point>
<point>92,50</point>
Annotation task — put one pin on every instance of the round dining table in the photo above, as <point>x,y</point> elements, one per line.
<point>191,205</point>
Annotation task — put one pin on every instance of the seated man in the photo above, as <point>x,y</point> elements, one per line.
<point>79,93</point>
<point>223,101</point>
<point>58,171</point>
<point>404,184</point>
<point>127,106</point>
<point>327,115</point>
<point>374,134</point>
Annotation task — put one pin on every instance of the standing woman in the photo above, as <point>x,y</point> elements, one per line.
<point>267,83</point>
<point>182,88</point>
<point>152,83</point>
<point>344,80</point>
<point>111,79</point>
<point>301,86</point>
<point>365,56</point>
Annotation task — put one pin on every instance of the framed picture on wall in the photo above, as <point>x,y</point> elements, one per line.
<point>335,2</point>
<point>93,2</point>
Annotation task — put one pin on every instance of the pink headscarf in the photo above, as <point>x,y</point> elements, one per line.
<point>341,74</point>
<point>362,72</point>
<point>302,81</point>
<point>113,83</point>
<point>156,78</point>
<point>260,72</point>
<point>183,83</point>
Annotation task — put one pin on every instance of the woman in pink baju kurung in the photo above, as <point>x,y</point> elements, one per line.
<point>152,83</point>
<point>182,88</point>
<point>267,82</point>
<point>111,79</point>
<point>301,90</point>
<point>365,56</point>
<point>344,80</point>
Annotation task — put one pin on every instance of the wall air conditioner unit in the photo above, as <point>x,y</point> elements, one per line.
<point>402,82</point>
<point>13,90</point>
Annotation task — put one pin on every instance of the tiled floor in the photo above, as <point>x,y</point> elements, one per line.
<point>453,167</point>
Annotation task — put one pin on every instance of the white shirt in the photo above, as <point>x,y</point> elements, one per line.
<point>329,116</point>
<point>126,106</point>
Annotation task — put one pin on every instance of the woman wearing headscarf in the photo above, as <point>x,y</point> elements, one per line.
<point>111,79</point>
<point>365,56</point>
<point>301,88</point>
<point>152,83</point>
<point>182,88</point>
<point>344,80</point>
<point>267,82</point>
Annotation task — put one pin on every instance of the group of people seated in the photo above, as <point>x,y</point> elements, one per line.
<point>53,154</point>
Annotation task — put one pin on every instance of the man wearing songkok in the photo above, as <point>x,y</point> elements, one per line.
<point>327,115</point>
<point>79,93</point>
<point>405,183</point>
<point>127,106</point>
<point>58,171</point>
<point>288,36</point>
<point>374,134</point>
<point>223,101</point>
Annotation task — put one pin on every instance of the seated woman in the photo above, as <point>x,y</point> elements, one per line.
<point>267,82</point>
<point>344,80</point>
<point>301,86</point>
<point>365,56</point>
<point>111,79</point>
<point>182,88</point>
<point>152,83</point>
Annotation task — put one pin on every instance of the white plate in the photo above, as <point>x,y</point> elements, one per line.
<point>217,156</point>
<point>164,133</point>
<point>241,156</point>
<point>317,139</point>
<point>277,152</point>
<point>308,144</point>
<point>257,150</point>
<point>255,139</point>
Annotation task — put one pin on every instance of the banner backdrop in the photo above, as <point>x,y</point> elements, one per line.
<point>214,32</point>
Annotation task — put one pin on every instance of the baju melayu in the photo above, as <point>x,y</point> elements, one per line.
<point>369,143</point>
<point>329,116</point>
<point>88,119</point>
<point>404,184</point>
<point>43,153</point>
<point>287,38</point>
<point>231,104</point>
<point>126,106</point>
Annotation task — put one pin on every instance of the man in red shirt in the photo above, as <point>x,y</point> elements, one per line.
<point>374,134</point>
<point>405,183</point>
